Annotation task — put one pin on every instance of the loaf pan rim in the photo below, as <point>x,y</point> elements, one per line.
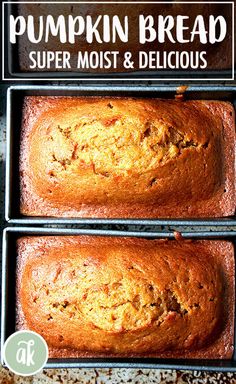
<point>17,219</point>
<point>114,363</point>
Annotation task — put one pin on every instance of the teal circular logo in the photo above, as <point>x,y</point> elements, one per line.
<point>25,353</point>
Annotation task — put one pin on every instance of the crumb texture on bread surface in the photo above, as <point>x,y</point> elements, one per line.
<point>120,297</point>
<point>105,153</point>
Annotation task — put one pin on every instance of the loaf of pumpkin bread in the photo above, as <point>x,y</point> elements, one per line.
<point>123,157</point>
<point>95,296</point>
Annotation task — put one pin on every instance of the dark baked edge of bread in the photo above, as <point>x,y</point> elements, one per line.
<point>222,347</point>
<point>224,205</point>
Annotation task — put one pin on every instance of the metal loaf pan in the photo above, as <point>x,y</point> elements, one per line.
<point>9,299</point>
<point>15,98</point>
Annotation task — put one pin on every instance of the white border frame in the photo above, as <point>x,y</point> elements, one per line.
<point>120,78</point>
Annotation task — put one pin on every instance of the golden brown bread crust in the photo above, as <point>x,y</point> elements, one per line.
<point>119,157</point>
<point>95,296</point>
